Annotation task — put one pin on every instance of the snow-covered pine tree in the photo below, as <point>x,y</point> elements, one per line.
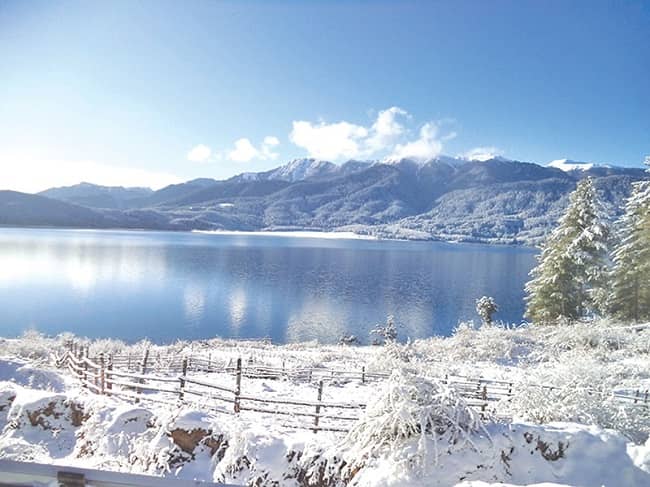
<point>630,284</point>
<point>485,308</point>
<point>569,281</point>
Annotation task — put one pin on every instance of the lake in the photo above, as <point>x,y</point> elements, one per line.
<point>167,286</point>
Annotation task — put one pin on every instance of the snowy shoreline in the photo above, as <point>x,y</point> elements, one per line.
<point>286,233</point>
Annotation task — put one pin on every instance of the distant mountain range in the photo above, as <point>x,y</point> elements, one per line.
<point>495,200</point>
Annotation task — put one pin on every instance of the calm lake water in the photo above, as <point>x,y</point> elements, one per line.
<point>164,285</point>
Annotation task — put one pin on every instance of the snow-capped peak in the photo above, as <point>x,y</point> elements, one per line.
<point>569,165</point>
<point>299,169</point>
<point>449,160</point>
<point>487,157</point>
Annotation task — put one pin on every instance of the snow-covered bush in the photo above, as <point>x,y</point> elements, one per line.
<point>469,344</point>
<point>599,338</point>
<point>385,333</point>
<point>578,388</point>
<point>32,345</point>
<point>408,413</point>
<point>348,340</point>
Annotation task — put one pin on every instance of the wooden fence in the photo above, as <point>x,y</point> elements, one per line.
<point>178,380</point>
<point>101,377</point>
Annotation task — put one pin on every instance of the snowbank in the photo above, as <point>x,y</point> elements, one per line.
<point>78,430</point>
<point>562,424</point>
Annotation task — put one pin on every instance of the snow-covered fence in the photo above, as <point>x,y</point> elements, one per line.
<point>170,363</point>
<point>188,379</point>
<point>102,377</point>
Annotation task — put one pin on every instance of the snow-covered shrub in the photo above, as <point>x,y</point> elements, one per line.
<point>598,337</point>
<point>32,345</point>
<point>468,344</point>
<point>107,346</point>
<point>348,340</point>
<point>408,413</point>
<point>385,333</point>
<point>579,389</point>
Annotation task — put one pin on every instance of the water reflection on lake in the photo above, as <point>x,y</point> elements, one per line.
<point>164,285</point>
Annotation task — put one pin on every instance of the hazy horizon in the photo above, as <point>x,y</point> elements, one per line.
<point>279,164</point>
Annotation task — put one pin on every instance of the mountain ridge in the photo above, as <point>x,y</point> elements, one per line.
<point>495,200</point>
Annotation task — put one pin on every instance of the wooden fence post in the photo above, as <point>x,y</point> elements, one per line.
<point>102,374</point>
<point>145,359</point>
<point>645,399</point>
<point>85,368</point>
<point>109,384</point>
<point>320,398</point>
<point>363,374</point>
<point>78,364</point>
<point>636,396</point>
<point>484,396</point>
<point>143,371</point>
<point>181,392</point>
<point>238,387</point>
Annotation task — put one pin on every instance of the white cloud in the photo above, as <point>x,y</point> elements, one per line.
<point>33,174</point>
<point>427,146</point>
<point>199,153</point>
<point>347,140</point>
<point>329,141</point>
<point>482,153</point>
<point>386,129</point>
<point>271,141</point>
<point>245,151</point>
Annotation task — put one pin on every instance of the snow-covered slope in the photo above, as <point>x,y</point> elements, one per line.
<point>300,169</point>
<point>569,165</point>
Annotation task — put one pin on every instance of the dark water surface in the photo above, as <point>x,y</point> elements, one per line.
<point>164,286</point>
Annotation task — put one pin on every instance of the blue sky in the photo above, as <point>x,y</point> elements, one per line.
<point>149,93</point>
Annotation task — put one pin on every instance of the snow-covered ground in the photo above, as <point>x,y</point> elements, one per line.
<point>415,430</point>
<point>296,234</point>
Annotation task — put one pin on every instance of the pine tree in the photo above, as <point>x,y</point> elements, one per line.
<point>569,281</point>
<point>485,308</point>
<point>630,286</point>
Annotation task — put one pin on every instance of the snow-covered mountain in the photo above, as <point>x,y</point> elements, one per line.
<point>570,165</point>
<point>441,159</point>
<point>96,196</point>
<point>292,171</point>
<point>299,169</point>
<point>451,198</point>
